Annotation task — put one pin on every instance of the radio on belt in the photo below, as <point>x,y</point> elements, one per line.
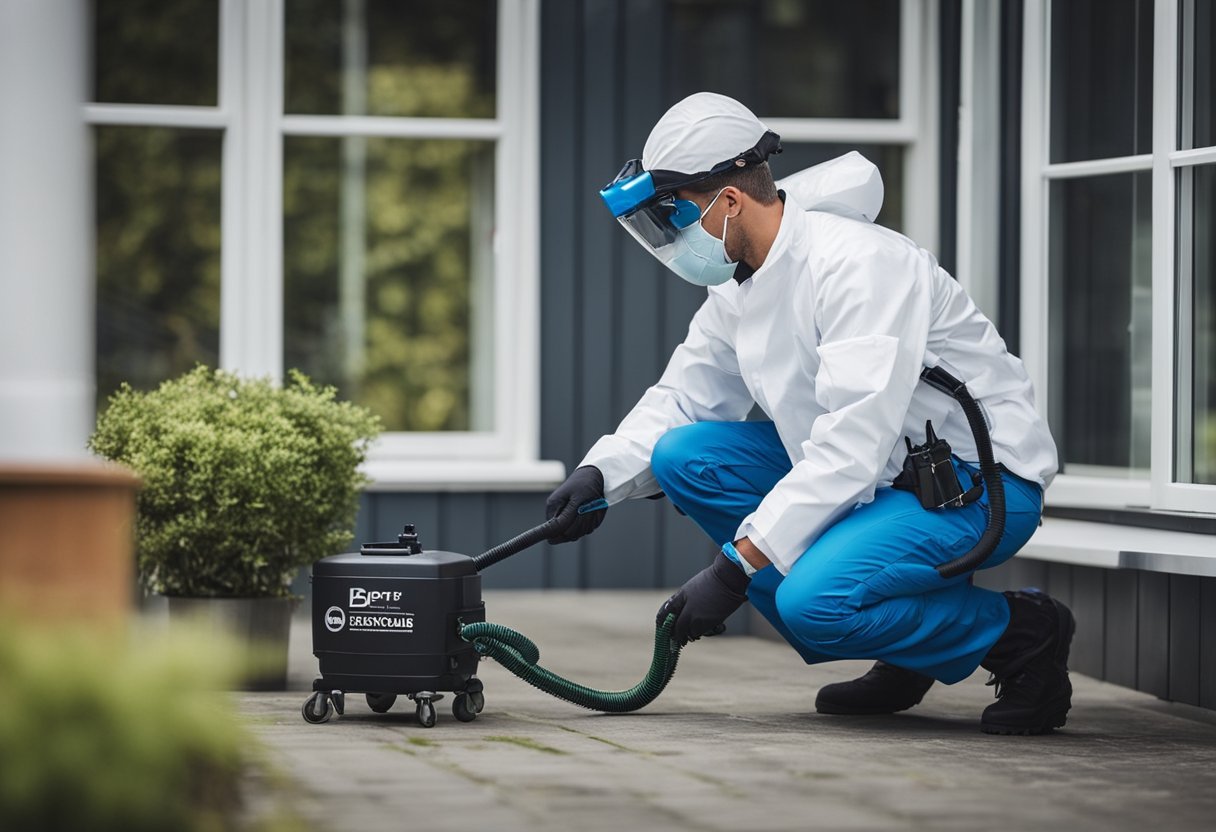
<point>386,623</point>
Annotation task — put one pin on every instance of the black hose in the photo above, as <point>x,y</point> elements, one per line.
<point>991,473</point>
<point>531,537</point>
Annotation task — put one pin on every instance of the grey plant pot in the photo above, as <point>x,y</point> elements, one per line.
<point>259,627</point>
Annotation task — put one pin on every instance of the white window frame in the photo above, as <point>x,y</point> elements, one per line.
<point>250,114</point>
<point>915,130</point>
<point>1159,491</point>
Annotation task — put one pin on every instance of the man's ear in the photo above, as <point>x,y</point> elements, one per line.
<point>734,200</point>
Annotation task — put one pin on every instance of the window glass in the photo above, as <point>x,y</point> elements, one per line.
<point>388,270</point>
<point>1101,79</point>
<point>158,253</point>
<point>389,58</point>
<point>889,158</point>
<point>790,58</point>
<point>1197,322</point>
<point>1101,323</point>
<point>1197,121</point>
<point>154,52</point>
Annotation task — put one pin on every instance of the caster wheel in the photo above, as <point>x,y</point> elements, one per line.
<point>339,700</point>
<point>478,700</point>
<point>426,714</point>
<point>317,709</point>
<point>381,702</point>
<point>463,708</point>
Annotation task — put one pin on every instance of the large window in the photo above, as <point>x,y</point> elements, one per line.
<point>344,186</point>
<point>1118,190</point>
<point>798,66</point>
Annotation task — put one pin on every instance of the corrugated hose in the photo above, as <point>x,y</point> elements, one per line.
<point>518,654</point>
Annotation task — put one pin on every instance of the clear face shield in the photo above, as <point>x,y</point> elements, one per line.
<point>644,202</point>
<point>654,220</point>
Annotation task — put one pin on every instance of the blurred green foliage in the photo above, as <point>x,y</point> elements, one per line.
<point>415,368</point>
<point>156,52</point>
<point>99,735</point>
<point>424,58</point>
<point>158,254</point>
<point>244,481</point>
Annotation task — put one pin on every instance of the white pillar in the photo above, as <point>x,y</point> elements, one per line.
<point>46,232</point>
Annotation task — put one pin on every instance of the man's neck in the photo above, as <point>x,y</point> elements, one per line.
<point>761,236</point>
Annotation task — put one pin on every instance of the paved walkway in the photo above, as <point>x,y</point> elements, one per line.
<point>733,744</point>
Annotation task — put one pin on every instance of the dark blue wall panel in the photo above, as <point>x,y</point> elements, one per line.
<point>1153,634</point>
<point>1184,630</point>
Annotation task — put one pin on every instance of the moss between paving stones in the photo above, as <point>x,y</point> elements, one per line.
<point>524,742</point>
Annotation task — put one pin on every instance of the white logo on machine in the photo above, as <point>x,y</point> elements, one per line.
<point>363,598</point>
<point>388,617</point>
<point>335,619</point>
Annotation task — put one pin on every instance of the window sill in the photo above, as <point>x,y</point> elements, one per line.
<point>1122,547</point>
<point>463,475</point>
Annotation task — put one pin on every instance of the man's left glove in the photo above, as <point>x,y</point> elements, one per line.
<point>585,485</point>
<point>706,600</point>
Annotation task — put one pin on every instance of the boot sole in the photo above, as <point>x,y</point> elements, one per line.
<point>1057,718</point>
<point>845,710</point>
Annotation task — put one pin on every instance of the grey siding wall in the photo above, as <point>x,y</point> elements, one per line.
<point>611,315</point>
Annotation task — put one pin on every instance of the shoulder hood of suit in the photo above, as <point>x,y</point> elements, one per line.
<point>849,185</point>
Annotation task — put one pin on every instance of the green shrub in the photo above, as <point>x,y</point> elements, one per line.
<point>100,736</point>
<point>244,481</point>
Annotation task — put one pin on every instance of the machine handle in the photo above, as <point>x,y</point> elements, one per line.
<point>555,526</point>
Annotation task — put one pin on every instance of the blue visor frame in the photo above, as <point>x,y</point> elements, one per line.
<point>632,200</point>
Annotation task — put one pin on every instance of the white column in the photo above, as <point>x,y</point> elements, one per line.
<point>46,232</point>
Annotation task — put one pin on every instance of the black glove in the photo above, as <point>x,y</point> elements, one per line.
<point>706,600</point>
<point>585,485</point>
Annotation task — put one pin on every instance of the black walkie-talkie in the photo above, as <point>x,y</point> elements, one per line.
<point>929,474</point>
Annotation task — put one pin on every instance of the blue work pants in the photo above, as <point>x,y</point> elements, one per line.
<point>867,587</point>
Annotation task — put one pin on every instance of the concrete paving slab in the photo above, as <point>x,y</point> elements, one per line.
<point>734,743</point>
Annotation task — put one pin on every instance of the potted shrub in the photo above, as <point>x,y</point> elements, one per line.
<point>245,482</point>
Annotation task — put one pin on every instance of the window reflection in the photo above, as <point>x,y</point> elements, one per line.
<point>790,58</point>
<point>433,58</point>
<point>388,269</point>
<point>158,253</point>
<point>154,52</point>
<point>1101,79</point>
<point>1101,323</point>
<point>1197,113</point>
<point>1197,318</point>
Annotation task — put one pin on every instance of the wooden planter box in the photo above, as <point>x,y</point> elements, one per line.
<point>67,542</point>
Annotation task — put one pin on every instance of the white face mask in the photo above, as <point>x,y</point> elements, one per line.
<point>702,259</point>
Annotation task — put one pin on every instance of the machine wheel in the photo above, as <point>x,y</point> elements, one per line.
<point>381,702</point>
<point>478,700</point>
<point>425,713</point>
<point>463,708</point>
<point>317,709</point>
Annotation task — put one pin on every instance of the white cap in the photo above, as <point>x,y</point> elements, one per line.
<point>699,132</point>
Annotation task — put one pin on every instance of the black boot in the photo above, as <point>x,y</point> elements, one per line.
<point>884,689</point>
<point>1029,666</point>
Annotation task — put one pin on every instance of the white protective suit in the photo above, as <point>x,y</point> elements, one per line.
<point>829,337</point>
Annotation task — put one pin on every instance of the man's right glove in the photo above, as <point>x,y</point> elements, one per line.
<point>584,486</point>
<point>706,600</point>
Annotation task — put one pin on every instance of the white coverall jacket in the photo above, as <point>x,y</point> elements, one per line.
<point>829,337</point>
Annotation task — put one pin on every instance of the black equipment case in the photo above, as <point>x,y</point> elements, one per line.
<point>385,622</point>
